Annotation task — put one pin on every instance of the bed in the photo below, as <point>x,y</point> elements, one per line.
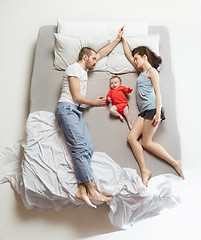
<point>46,86</point>
<point>41,169</point>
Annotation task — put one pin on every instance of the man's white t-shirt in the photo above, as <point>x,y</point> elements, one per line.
<point>74,70</point>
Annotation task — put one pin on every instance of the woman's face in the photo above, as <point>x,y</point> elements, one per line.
<point>138,61</point>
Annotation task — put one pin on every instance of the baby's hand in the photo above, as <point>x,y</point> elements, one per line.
<point>130,88</point>
<point>109,100</point>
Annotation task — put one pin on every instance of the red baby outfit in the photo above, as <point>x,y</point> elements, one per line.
<point>118,98</point>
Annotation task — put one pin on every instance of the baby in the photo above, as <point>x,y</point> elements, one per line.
<point>117,97</point>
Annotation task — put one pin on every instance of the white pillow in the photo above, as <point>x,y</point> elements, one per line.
<point>67,50</point>
<point>101,30</point>
<point>91,34</point>
<point>117,61</point>
<point>94,30</point>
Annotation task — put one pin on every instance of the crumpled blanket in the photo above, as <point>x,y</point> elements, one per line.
<point>40,169</point>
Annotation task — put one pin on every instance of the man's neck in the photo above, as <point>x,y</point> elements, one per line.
<point>82,64</point>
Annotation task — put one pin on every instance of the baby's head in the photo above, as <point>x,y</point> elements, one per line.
<point>115,82</point>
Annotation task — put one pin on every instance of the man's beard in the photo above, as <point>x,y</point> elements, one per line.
<point>91,67</point>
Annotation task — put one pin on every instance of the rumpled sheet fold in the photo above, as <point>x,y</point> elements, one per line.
<point>40,169</point>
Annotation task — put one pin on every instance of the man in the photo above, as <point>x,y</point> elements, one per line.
<point>69,116</point>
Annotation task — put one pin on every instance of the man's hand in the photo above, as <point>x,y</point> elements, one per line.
<point>99,102</point>
<point>107,49</point>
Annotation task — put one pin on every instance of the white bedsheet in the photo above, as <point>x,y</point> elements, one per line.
<point>41,170</point>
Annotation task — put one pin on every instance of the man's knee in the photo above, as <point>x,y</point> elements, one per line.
<point>91,149</point>
<point>80,150</point>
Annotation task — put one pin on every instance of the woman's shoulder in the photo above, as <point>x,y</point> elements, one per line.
<point>152,72</point>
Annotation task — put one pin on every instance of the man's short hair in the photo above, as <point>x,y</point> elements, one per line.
<point>85,50</point>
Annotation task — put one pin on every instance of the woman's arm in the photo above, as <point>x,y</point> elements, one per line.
<point>154,77</point>
<point>127,50</point>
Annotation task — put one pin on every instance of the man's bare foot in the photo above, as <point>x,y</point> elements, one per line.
<point>145,177</point>
<point>95,195</point>
<point>177,167</point>
<point>82,195</point>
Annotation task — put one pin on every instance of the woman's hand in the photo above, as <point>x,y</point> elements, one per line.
<point>123,36</point>
<point>119,36</point>
<point>156,120</point>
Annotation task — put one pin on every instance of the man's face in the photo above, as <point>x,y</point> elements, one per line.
<point>91,61</point>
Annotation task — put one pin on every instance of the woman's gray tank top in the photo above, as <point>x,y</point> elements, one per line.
<point>146,98</point>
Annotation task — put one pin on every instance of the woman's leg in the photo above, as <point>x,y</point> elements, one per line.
<point>137,149</point>
<point>148,132</point>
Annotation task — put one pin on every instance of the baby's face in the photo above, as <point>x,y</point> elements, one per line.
<point>115,83</point>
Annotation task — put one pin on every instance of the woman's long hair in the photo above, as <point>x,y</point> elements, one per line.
<point>152,57</point>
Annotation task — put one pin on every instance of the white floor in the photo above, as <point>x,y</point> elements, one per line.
<point>181,222</point>
<point>19,24</point>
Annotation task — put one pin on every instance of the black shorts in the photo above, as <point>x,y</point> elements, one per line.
<point>149,114</point>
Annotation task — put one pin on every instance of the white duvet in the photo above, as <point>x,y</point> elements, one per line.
<point>41,170</point>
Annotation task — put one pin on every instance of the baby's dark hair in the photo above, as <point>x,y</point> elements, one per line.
<point>85,50</point>
<point>115,76</point>
<point>152,57</point>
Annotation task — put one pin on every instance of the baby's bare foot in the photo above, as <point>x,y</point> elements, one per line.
<point>145,177</point>
<point>82,195</point>
<point>121,118</point>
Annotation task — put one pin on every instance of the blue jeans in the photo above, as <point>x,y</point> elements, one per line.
<point>76,133</point>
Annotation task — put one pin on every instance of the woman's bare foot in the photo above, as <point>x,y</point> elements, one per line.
<point>177,167</point>
<point>82,195</point>
<point>145,176</point>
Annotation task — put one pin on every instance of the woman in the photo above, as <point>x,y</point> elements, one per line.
<point>151,110</point>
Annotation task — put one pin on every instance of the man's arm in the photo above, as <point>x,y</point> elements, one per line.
<point>107,49</point>
<point>154,77</point>
<point>74,84</point>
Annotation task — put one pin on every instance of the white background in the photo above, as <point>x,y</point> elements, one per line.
<point>19,24</point>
